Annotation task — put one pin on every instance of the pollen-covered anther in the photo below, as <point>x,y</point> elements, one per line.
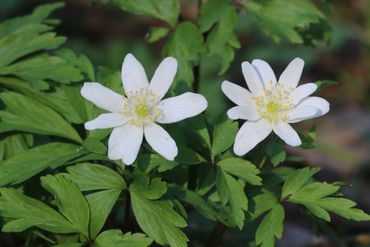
<point>275,105</point>
<point>141,106</point>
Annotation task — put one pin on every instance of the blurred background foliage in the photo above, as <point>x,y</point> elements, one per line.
<point>105,34</point>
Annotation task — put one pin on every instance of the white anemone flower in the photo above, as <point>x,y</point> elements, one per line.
<point>136,114</point>
<point>271,105</point>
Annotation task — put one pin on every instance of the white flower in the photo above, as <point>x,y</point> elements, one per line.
<point>137,114</point>
<point>271,105</point>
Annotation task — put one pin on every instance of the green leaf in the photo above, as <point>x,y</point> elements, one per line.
<point>13,144</point>
<point>115,238</point>
<point>222,39</point>
<point>24,165</point>
<point>101,204</point>
<point>185,44</point>
<point>276,152</point>
<point>151,190</point>
<point>282,19</point>
<point>147,162</point>
<point>322,197</point>
<point>242,169</point>
<point>94,145</point>
<point>156,33</point>
<point>270,227</point>
<point>95,177</point>
<point>26,114</point>
<point>81,61</point>
<point>261,203</point>
<point>195,200</point>
<point>223,136</point>
<point>167,11</point>
<point>157,218</point>
<point>297,180</point>
<point>25,212</point>
<point>70,202</point>
<point>58,100</point>
<point>230,190</point>
<point>188,156</point>
<point>37,69</point>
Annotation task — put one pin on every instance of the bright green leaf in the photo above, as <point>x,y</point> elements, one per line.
<point>223,136</point>
<point>115,238</point>
<point>297,180</point>
<point>242,169</point>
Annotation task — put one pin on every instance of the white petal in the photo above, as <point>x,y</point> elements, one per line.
<point>236,93</point>
<point>287,133</point>
<point>102,97</point>
<point>124,143</point>
<point>107,120</point>
<point>160,141</point>
<point>181,107</point>
<point>265,72</point>
<point>303,113</point>
<point>302,92</point>
<point>319,103</point>
<point>250,134</point>
<point>133,74</point>
<point>163,77</point>
<point>291,75</point>
<point>243,112</point>
<point>252,78</point>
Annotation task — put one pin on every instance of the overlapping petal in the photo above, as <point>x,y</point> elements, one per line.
<point>252,79</point>
<point>265,72</point>
<point>180,107</point>
<point>319,103</point>
<point>243,112</point>
<point>302,113</point>
<point>302,92</point>
<point>237,94</point>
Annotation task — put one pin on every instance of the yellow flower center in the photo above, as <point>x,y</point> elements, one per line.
<point>275,104</point>
<point>141,106</point>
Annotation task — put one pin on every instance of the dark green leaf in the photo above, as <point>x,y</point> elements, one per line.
<point>223,136</point>
<point>115,238</point>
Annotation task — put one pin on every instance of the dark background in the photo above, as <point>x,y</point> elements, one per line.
<point>105,34</point>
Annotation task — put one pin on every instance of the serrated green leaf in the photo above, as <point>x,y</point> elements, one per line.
<point>158,219</point>
<point>282,18</point>
<point>25,212</point>
<point>26,114</point>
<point>261,203</point>
<point>322,197</point>
<point>70,202</point>
<point>147,162</point>
<point>94,145</point>
<point>148,189</point>
<point>242,169</point>
<point>222,39</point>
<point>297,180</point>
<point>185,44</point>
<point>276,152</point>
<point>167,11</point>
<point>13,144</point>
<point>101,204</point>
<point>230,190</point>
<point>95,177</point>
<point>24,165</point>
<point>115,238</point>
<point>223,136</point>
<point>271,227</point>
<point>188,156</point>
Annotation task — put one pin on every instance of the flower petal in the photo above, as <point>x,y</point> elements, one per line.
<point>302,92</point>
<point>163,77</point>
<point>265,72</point>
<point>133,75</point>
<point>253,80</point>
<point>124,143</point>
<point>303,113</point>
<point>287,133</point>
<point>243,112</point>
<point>237,94</point>
<point>250,134</point>
<point>291,75</point>
<point>319,103</point>
<point>181,107</point>
<point>160,141</point>
<point>107,120</point>
<point>102,97</point>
